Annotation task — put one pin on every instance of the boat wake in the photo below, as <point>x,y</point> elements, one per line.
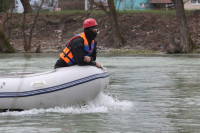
<point>103,103</point>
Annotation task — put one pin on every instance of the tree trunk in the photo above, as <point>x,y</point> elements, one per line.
<point>185,44</point>
<point>117,36</point>
<point>26,48</point>
<point>27,6</point>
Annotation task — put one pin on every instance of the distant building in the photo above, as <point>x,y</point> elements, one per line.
<point>188,4</point>
<point>161,4</point>
<point>192,4</point>
<point>72,4</point>
<point>89,6</point>
<point>47,5</point>
<point>18,7</point>
<point>132,4</point>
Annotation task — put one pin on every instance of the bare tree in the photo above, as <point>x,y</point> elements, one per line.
<point>27,6</point>
<point>185,43</point>
<point>27,43</point>
<point>117,35</point>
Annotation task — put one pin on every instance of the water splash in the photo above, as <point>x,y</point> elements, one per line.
<point>103,103</point>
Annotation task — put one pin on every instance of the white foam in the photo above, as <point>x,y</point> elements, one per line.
<point>103,103</point>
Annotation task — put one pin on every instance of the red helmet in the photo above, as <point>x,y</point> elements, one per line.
<point>89,23</point>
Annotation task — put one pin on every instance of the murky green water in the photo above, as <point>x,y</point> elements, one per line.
<point>146,94</point>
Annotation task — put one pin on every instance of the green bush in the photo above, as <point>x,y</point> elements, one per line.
<point>5,46</point>
<point>1,5</point>
<point>5,4</point>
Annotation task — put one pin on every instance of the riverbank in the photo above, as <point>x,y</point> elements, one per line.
<point>143,31</point>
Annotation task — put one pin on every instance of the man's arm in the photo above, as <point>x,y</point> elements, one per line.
<point>77,47</point>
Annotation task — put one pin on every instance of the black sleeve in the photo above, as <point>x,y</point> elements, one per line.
<point>77,48</point>
<point>94,54</point>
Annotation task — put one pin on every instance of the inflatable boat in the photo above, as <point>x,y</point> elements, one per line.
<point>60,87</point>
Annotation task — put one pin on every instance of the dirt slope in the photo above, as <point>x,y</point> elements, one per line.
<point>142,31</point>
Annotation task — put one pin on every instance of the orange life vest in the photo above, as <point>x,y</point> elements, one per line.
<point>67,55</point>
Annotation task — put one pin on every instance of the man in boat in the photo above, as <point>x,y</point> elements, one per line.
<point>82,48</point>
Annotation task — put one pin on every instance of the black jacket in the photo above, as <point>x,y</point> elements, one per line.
<point>77,49</point>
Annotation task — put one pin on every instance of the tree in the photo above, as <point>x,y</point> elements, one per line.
<point>117,35</point>
<point>27,6</point>
<point>27,43</point>
<point>118,38</point>
<point>185,43</point>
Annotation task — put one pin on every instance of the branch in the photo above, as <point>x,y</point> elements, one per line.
<point>34,23</point>
<point>23,30</point>
<point>11,24</point>
<point>5,21</point>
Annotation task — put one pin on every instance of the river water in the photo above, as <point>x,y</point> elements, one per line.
<point>146,94</point>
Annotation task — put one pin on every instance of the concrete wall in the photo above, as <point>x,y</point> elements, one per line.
<point>132,4</point>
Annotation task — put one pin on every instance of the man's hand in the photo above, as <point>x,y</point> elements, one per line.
<point>87,58</point>
<point>98,64</point>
